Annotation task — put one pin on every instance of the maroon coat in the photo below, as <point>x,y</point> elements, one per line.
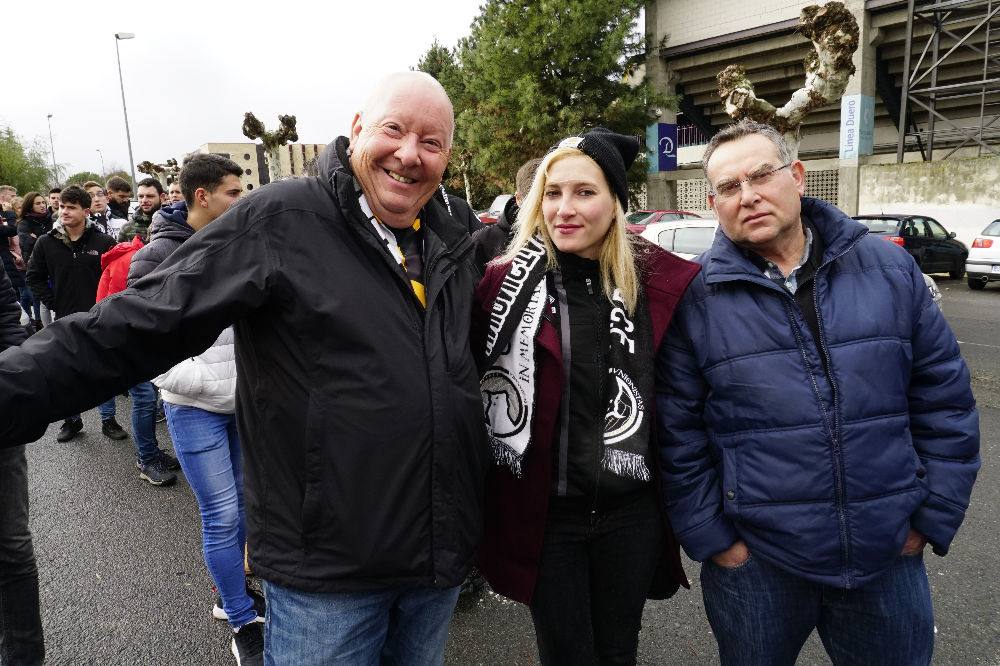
<point>516,509</point>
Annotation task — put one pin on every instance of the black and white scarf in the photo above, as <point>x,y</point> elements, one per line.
<point>508,386</point>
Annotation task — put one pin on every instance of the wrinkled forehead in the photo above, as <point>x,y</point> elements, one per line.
<point>741,156</point>
<point>412,99</point>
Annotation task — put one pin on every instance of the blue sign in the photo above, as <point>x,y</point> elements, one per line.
<point>661,142</point>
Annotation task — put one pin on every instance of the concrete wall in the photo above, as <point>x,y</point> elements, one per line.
<point>961,194</point>
<point>689,21</point>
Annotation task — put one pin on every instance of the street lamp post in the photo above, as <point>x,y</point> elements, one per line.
<point>128,135</point>
<point>52,146</point>
<point>102,162</point>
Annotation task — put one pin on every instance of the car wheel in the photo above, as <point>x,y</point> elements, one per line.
<point>957,274</point>
<point>976,284</point>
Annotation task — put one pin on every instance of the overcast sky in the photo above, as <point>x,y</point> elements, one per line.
<point>194,69</point>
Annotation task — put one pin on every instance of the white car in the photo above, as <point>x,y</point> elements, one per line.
<point>685,238</point>
<point>983,264</point>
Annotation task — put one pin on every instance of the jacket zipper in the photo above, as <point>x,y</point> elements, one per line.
<point>600,392</point>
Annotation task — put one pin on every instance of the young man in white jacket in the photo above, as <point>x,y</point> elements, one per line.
<point>199,398</point>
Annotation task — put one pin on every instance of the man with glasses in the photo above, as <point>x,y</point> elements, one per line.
<point>817,423</point>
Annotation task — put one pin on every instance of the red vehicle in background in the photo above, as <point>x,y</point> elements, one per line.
<point>637,220</point>
<point>490,215</point>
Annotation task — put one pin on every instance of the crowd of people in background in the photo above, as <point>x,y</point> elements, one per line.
<point>551,398</point>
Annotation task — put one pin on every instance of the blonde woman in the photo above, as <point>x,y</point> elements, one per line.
<point>567,326</point>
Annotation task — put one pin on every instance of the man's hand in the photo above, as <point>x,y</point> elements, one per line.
<point>733,556</point>
<point>915,542</point>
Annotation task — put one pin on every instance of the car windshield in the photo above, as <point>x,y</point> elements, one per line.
<point>693,240</point>
<point>993,229</point>
<point>879,226</point>
<point>641,217</point>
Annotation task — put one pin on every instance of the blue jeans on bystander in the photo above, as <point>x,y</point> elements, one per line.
<point>761,614</point>
<point>208,448</point>
<point>399,626</point>
<point>143,397</point>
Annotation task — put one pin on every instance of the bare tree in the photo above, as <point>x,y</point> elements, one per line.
<point>833,31</point>
<point>254,129</point>
<point>166,173</point>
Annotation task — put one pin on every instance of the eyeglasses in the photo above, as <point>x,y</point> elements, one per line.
<point>730,188</point>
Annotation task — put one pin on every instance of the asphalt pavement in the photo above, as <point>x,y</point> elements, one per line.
<point>123,580</point>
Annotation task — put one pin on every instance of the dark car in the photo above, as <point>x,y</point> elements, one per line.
<point>934,247</point>
<point>637,221</point>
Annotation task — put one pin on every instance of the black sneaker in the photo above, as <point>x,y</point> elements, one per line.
<point>167,461</point>
<point>112,430</point>
<point>155,474</point>
<point>248,645</point>
<point>219,613</point>
<point>70,429</point>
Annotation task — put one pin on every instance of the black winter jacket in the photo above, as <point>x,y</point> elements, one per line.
<point>74,268</point>
<point>360,414</point>
<point>11,331</point>
<point>29,230</point>
<point>492,240</point>
<point>166,233</point>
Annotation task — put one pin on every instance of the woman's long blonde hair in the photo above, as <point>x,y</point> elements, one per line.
<point>617,258</point>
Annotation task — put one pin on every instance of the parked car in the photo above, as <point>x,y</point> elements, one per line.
<point>932,246</point>
<point>492,214</point>
<point>686,238</point>
<point>983,264</point>
<point>638,220</point>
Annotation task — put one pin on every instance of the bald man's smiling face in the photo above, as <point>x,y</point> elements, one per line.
<point>399,150</point>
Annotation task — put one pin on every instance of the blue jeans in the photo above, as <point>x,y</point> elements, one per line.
<point>143,419</point>
<point>761,614</point>
<point>406,626</point>
<point>208,448</point>
<point>30,304</point>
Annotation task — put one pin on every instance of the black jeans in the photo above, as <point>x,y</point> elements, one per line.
<point>595,572</point>
<point>21,639</point>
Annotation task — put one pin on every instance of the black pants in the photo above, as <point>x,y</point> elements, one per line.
<point>594,575</point>
<point>20,622</point>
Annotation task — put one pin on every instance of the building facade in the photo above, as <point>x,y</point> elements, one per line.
<point>295,159</point>
<point>949,56</point>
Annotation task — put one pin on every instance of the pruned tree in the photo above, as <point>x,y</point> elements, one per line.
<point>165,173</point>
<point>833,30</point>
<point>254,129</point>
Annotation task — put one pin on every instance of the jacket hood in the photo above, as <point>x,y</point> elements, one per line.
<point>120,250</point>
<point>726,261</point>
<point>171,222</point>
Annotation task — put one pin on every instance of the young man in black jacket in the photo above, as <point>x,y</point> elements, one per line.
<point>357,396</point>
<point>69,258</point>
<point>21,639</point>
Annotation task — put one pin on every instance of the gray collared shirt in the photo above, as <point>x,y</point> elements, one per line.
<point>791,281</point>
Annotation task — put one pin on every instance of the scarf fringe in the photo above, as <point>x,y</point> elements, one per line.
<point>506,456</point>
<point>626,464</point>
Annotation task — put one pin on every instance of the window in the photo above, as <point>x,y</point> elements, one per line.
<point>249,186</point>
<point>993,229</point>
<point>693,240</point>
<point>666,239</point>
<point>246,156</point>
<point>248,172</point>
<point>935,230</point>
<point>879,226</point>
<point>910,228</point>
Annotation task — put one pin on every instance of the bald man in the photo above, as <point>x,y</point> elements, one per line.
<point>358,401</point>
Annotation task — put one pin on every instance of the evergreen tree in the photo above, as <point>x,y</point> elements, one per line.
<point>532,73</point>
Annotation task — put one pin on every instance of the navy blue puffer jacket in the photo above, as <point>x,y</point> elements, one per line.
<point>821,472</point>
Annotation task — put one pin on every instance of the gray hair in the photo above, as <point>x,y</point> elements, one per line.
<point>743,128</point>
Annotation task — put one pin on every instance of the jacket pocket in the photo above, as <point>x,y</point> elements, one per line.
<point>730,483</point>
<point>312,497</point>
